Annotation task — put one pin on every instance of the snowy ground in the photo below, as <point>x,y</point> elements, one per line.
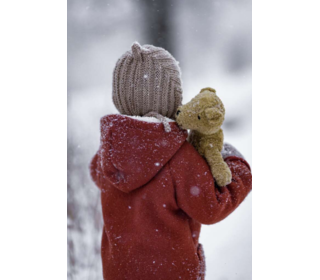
<point>205,61</point>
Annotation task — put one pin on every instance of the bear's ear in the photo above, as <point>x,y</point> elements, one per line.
<point>209,89</point>
<point>213,114</point>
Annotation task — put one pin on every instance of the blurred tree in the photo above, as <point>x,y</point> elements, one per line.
<point>158,23</point>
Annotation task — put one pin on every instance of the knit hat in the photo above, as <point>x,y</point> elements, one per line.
<point>147,80</point>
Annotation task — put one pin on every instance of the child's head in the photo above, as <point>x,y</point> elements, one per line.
<point>147,79</point>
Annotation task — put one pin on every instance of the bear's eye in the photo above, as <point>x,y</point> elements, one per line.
<point>199,118</point>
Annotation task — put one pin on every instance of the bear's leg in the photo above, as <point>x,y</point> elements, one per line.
<point>219,169</point>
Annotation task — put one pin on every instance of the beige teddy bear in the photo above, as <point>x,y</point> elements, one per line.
<point>204,115</point>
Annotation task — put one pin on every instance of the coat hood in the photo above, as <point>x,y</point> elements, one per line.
<point>134,149</point>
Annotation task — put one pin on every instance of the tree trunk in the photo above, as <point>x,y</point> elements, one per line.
<point>158,24</point>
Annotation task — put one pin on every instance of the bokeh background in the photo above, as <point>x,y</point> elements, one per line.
<point>212,41</point>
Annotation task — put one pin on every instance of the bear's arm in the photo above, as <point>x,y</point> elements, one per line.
<point>196,192</point>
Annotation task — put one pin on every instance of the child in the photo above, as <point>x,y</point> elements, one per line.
<point>156,190</point>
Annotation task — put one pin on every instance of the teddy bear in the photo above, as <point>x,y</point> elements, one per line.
<point>204,115</point>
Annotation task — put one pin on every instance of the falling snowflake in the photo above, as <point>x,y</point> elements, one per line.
<point>195,191</point>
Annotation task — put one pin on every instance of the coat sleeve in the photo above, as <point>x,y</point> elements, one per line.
<point>196,192</point>
<point>95,169</point>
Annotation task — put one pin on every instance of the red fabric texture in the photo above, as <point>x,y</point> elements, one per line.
<point>156,191</point>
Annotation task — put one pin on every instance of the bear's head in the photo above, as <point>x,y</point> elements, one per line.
<point>204,113</point>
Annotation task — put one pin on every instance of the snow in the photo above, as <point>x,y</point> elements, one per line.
<point>195,191</point>
<point>148,119</point>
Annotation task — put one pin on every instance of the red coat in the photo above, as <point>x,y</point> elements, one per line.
<point>156,191</point>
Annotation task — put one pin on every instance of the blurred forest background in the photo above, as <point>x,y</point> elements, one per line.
<point>212,41</point>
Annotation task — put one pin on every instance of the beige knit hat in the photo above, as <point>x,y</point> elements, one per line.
<point>146,81</point>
